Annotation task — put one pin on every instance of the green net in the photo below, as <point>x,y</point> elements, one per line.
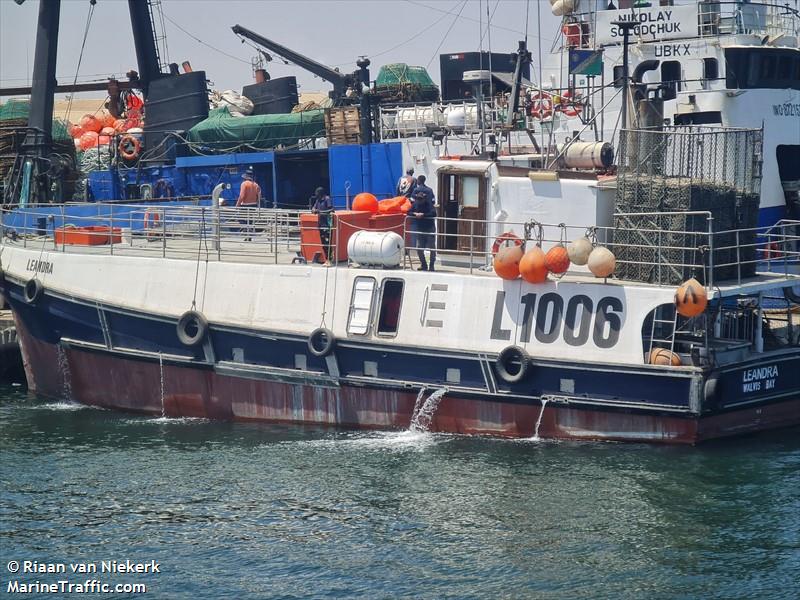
<point>221,131</point>
<point>14,113</point>
<point>403,83</point>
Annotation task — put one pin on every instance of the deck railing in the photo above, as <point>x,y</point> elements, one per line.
<point>651,252</point>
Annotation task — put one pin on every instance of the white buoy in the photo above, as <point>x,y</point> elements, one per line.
<point>579,251</point>
<point>602,262</point>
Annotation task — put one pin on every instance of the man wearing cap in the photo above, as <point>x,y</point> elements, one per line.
<point>406,184</point>
<point>423,222</point>
<point>249,197</point>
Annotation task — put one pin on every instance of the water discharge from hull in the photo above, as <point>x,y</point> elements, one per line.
<point>63,370</point>
<point>424,411</point>
<point>536,437</point>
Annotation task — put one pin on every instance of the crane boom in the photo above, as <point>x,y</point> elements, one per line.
<point>340,81</point>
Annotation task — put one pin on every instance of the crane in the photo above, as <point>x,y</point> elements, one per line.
<point>345,85</point>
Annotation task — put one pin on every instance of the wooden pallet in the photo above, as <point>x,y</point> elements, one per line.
<point>343,125</point>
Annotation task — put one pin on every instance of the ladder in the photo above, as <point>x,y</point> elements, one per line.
<point>159,34</point>
<point>668,324</point>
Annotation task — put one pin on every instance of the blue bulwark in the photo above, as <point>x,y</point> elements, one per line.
<point>354,169</point>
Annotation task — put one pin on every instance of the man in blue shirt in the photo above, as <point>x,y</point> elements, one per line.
<point>423,222</point>
<point>323,207</point>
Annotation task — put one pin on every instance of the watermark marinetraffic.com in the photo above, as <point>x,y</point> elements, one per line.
<point>78,577</point>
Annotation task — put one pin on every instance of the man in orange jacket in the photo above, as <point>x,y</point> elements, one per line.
<point>249,197</point>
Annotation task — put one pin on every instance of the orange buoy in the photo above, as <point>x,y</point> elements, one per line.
<point>88,140</point>
<point>392,205</point>
<point>506,262</point>
<point>91,123</point>
<point>532,267</point>
<point>602,262</point>
<point>691,298</point>
<point>557,260</point>
<point>662,356</point>
<point>107,131</point>
<point>366,202</point>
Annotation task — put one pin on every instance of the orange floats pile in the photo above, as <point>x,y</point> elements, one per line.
<point>394,206</point>
<point>533,267</point>
<point>366,202</point>
<point>691,298</point>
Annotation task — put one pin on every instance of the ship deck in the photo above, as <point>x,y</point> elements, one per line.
<point>262,249</point>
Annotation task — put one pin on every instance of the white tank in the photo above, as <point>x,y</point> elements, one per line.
<point>456,119</point>
<point>589,155</point>
<point>414,119</point>
<point>384,248</point>
<point>562,7</point>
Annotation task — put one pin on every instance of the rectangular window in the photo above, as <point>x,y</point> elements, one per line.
<point>767,70</point>
<point>671,74</point>
<point>391,301</point>
<point>710,69</point>
<point>470,192</point>
<point>785,68</point>
<point>361,305</point>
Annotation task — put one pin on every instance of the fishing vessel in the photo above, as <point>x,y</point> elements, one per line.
<point>582,291</point>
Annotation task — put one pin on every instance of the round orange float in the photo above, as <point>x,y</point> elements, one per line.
<point>506,262</point>
<point>532,267</point>
<point>557,260</point>
<point>662,356</point>
<point>366,202</point>
<point>691,298</point>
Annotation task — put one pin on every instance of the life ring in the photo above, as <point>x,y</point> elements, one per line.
<point>129,147</point>
<point>321,342</point>
<point>192,328</point>
<point>570,104</point>
<point>33,291</point>
<point>508,236</point>
<point>541,106</point>
<point>513,364</point>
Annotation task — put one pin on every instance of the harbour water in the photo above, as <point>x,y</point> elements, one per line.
<point>234,510</point>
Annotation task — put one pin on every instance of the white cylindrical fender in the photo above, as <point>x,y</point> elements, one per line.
<point>589,155</point>
<point>384,248</point>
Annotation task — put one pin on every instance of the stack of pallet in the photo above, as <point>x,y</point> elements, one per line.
<point>343,125</point>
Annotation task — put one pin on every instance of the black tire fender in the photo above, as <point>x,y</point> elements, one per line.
<point>192,328</point>
<point>321,342</point>
<point>33,291</point>
<point>513,364</point>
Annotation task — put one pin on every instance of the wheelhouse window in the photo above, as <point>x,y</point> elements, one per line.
<point>391,301</point>
<point>770,68</point>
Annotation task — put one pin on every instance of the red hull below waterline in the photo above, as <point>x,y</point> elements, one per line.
<point>134,384</point>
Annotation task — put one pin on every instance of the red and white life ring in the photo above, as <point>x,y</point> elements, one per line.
<point>129,147</point>
<point>152,220</point>
<point>571,104</point>
<point>508,236</point>
<point>541,106</point>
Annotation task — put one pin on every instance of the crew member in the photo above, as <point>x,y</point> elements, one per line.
<point>406,184</point>
<point>423,221</point>
<point>249,197</point>
<point>323,207</point>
